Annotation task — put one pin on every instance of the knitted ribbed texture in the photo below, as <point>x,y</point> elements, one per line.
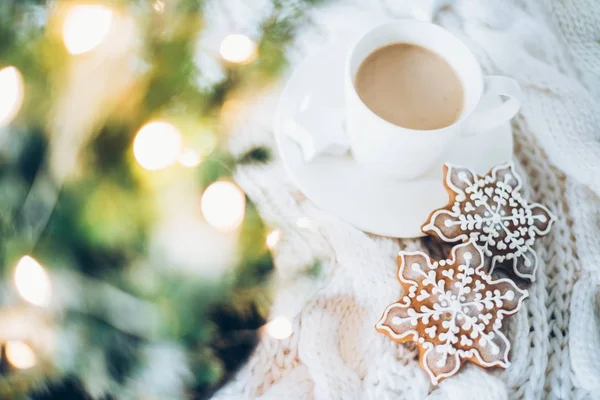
<point>552,48</point>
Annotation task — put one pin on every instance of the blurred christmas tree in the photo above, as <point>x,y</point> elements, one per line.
<point>132,265</point>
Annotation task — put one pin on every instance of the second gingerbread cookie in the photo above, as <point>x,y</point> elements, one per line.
<point>490,210</point>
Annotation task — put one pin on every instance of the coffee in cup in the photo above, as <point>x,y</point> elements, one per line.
<point>410,86</point>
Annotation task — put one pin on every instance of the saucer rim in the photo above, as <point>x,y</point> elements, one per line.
<point>401,231</point>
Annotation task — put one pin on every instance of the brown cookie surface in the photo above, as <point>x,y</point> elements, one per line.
<point>453,310</point>
<point>490,211</point>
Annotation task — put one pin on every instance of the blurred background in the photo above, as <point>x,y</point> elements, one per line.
<point>133,266</point>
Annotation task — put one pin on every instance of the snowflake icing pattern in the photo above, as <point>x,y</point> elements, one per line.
<point>491,211</point>
<point>453,310</point>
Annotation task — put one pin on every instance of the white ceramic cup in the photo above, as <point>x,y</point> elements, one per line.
<point>403,153</point>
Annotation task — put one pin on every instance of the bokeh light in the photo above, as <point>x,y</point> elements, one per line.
<point>279,328</point>
<point>157,145</point>
<point>189,158</point>
<point>159,6</point>
<point>273,238</point>
<point>85,27</point>
<point>32,281</point>
<point>19,354</point>
<point>223,206</point>
<point>11,94</point>
<point>237,48</point>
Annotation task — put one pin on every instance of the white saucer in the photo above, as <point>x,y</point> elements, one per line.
<point>339,185</point>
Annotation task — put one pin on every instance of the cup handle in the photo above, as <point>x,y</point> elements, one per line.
<point>485,120</point>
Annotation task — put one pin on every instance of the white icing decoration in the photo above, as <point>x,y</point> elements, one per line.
<point>505,236</point>
<point>462,306</point>
<point>431,331</point>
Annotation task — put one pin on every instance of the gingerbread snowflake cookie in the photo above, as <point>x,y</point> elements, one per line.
<point>453,310</point>
<point>490,210</point>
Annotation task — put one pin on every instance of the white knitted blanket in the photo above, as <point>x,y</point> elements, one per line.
<point>552,47</point>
